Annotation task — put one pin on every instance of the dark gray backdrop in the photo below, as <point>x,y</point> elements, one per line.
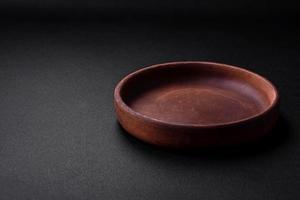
<point>59,138</point>
<point>140,8</point>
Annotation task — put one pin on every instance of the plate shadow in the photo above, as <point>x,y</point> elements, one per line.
<point>279,135</point>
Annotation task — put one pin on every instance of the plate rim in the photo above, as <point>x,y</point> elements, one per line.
<point>119,101</point>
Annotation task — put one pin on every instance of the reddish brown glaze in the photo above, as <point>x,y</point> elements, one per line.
<point>196,104</point>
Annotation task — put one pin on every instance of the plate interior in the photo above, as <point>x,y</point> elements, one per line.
<point>193,94</point>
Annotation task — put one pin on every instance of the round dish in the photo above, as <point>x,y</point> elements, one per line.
<point>196,104</point>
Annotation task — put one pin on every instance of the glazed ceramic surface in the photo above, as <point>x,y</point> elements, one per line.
<point>196,104</point>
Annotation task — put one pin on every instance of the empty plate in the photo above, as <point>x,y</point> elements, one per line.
<point>196,104</point>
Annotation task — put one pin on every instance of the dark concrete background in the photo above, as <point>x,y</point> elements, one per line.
<point>59,64</point>
<point>148,8</point>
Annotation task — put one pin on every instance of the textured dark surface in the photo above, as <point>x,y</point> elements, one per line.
<point>59,138</point>
<point>143,8</point>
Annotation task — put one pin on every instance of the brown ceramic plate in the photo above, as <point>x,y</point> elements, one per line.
<point>196,104</point>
